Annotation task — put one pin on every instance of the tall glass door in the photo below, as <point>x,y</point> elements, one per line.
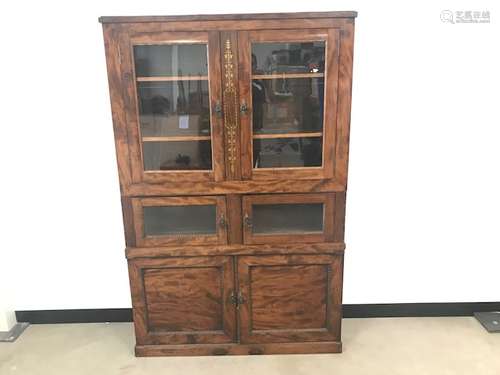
<point>177,110</point>
<point>288,99</point>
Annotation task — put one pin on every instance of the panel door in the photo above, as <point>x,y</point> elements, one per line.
<point>173,106</point>
<point>288,94</point>
<point>290,298</point>
<point>288,218</point>
<point>183,300</point>
<point>180,220</point>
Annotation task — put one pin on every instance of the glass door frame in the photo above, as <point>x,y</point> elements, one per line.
<point>138,174</point>
<point>221,221</point>
<point>327,235</point>
<point>331,39</point>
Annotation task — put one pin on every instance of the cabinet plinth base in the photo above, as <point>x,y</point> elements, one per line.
<point>238,349</point>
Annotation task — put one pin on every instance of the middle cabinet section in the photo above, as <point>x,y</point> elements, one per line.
<point>251,219</point>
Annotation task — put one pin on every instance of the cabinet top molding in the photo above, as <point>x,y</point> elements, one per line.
<point>227,17</point>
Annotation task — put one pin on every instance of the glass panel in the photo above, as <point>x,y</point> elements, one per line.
<point>287,218</point>
<point>189,155</point>
<point>180,220</point>
<point>287,152</point>
<point>287,99</point>
<point>284,105</point>
<point>174,106</point>
<point>170,60</point>
<point>291,57</point>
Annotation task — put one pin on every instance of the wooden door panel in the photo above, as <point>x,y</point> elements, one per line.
<point>183,300</point>
<point>280,300</point>
<point>290,298</point>
<point>280,218</point>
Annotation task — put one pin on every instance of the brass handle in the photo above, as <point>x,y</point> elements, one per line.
<point>243,108</point>
<point>247,221</point>
<point>222,221</point>
<point>241,299</point>
<point>233,300</point>
<point>218,109</point>
<point>236,300</point>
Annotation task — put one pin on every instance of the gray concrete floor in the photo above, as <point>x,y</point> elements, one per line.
<point>385,346</point>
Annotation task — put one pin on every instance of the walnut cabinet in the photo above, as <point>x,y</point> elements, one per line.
<point>231,134</point>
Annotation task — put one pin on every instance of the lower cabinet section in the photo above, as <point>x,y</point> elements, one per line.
<point>237,305</point>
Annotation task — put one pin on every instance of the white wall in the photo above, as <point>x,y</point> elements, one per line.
<point>423,200</point>
<point>7,320</point>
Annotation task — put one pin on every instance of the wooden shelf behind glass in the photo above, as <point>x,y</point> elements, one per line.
<point>287,75</point>
<point>172,78</point>
<point>178,138</point>
<point>287,135</point>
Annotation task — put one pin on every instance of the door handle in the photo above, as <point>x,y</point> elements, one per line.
<point>247,220</point>
<point>243,108</point>
<point>222,221</point>
<point>236,299</point>
<point>218,109</point>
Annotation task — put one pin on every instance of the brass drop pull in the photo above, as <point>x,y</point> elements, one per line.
<point>247,221</point>
<point>243,108</point>
<point>241,299</point>
<point>218,109</point>
<point>222,221</point>
<point>232,298</point>
<point>236,299</point>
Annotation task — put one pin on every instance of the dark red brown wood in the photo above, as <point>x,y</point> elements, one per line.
<point>183,300</point>
<point>235,291</point>
<point>238,349</point>
<point>290,298</point>
<point>217,17</point>
<point>236,249</point>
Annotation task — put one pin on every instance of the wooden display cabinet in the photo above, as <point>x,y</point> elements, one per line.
<point>231,134</point>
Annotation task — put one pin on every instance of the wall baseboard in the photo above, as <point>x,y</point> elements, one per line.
<point>385,310</point>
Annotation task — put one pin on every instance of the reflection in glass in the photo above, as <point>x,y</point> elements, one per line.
<point>174,108</point>
<point>180,220</point>
<point>170,60</point>
<point>287,152</point>
<point>285,105</point>
<point>288,87</point>
<point>177,155</point>
<point>287,218</point>
<point>292,57</point>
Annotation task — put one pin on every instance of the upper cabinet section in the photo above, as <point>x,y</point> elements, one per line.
<point>221,106</point>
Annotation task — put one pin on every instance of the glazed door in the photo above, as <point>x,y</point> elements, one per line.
<point>288,99</point>
<point>281,218</point>
<point>183,300</point>
<point>180,220</point>
<point>290,298</point>
<point>173,106</point>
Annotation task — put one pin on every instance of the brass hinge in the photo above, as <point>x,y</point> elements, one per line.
<point>236,299</point>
